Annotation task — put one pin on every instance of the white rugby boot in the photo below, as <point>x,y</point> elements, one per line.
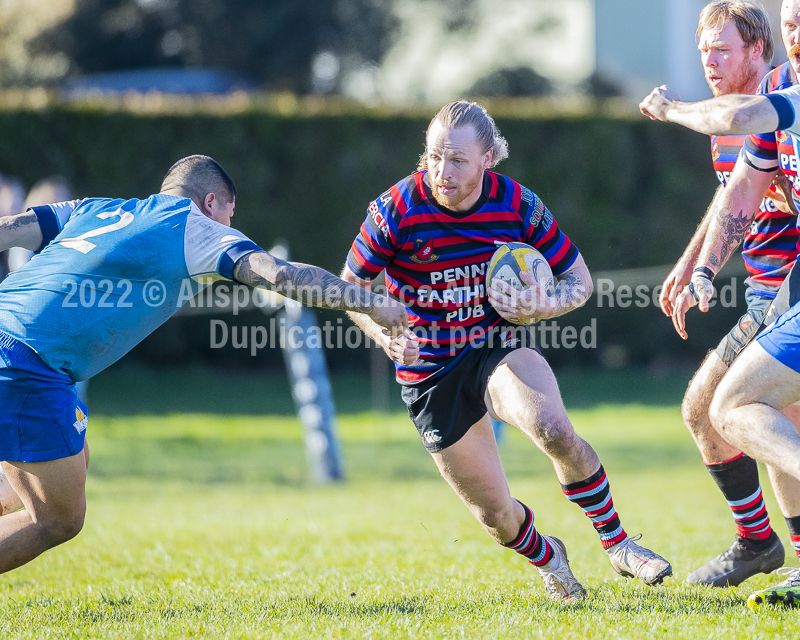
<point>559,582</point>
<point>632,561</point>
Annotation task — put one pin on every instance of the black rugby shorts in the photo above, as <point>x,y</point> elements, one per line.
<point>443,409</point>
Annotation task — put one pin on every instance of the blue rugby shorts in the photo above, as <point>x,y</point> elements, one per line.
<point>782,339</point>
<point>41,417</point>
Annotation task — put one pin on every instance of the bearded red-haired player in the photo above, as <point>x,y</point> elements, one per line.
<point>434,233</point>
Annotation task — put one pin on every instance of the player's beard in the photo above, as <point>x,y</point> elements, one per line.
<point>740,83</point>
<point>794,57</point>
<point>462,192</point>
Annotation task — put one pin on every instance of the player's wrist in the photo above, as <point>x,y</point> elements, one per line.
<point>704,271</point>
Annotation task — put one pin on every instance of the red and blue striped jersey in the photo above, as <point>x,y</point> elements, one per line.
<point>436,260</point>
<point>770,246</point>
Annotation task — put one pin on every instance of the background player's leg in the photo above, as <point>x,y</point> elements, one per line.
<point>756,548</point>
<point>746,409</point>
<point>472,468</point>
<point>55,504</point>
<point>523,391</point>
<point>787,488</point>
<point>694,410</point>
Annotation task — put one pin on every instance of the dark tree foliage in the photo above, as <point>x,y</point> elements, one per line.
<point>270,41</point>
<point>601,86</point>
<point>516,82</point>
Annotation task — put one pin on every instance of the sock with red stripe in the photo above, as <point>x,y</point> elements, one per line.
<point>737,478</point>
<point>593,495</point>
<point>529,543</point>
<point>794,533</point>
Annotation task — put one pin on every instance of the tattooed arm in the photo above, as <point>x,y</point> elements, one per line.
<point>573,288</point>
<point>731,215</point>
<point>402,348</point>
<point>318,288</point>
<point>21,230</point>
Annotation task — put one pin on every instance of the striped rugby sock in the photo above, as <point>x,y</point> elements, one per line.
<point>794,533</point>
<point>737,478</point>
<point>593,495</point>
<point>529,543</point>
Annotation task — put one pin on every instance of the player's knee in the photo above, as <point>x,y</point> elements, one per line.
<point>61,527</point>
<point>694,408</point>
<point>494,516</point>
<point>554,433</point>
<point>717,413</point>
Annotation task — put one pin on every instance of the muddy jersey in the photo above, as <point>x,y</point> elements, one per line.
<point>770,247</point>
<point>436,260</point>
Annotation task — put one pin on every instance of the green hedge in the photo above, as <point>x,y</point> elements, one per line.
<point>629,192</point>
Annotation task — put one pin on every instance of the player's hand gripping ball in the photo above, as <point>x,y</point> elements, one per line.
<point>510,259</point>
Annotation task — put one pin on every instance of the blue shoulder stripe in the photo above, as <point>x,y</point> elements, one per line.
<point>48,223</point>
<point>234,253</point>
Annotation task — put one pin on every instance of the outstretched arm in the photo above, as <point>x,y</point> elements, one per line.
<point>723,115</point>
<point>21,230</point>
<point>316,287</point>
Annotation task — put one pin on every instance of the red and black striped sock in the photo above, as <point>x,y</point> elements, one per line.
<point>593,495</point>
<point>737,478</point>
<point>794,533</point>
<point>529,543</point>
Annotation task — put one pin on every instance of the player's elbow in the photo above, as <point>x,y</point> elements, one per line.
<point>347,274</point>
<point>589,286</point>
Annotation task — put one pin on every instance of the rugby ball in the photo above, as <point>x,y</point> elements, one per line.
<point>510,259</point>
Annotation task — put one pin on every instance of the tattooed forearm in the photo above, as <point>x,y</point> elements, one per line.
<point>307,284</point>
<point>733,229</point>
<point>573,290</point>
<point>21,230</point>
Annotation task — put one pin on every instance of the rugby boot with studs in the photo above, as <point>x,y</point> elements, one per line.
<point>786,593</point>
<point>740,561</point>
<point>632,561</point>
<point>559,582</point>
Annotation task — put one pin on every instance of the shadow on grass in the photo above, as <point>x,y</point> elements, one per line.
<point>283,462</point>
<point>686,601</point>
<point>126,390</point>
<point>404,606</point>
<point>603,601</point>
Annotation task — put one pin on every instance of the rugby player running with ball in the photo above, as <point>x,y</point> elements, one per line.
<point>434,232</point>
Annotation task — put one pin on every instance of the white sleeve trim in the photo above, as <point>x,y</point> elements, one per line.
<point>204,243</point>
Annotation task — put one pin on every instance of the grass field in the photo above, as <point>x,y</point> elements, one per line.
<point>201,523</point>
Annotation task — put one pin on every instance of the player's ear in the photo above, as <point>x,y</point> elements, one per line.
<point>758,49</point>
<point>209,204</point>
<point>487,159</point>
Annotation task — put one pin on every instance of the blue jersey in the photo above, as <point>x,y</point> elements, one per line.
<point>108,273</point>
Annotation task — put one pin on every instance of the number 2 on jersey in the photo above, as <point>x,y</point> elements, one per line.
<point>80,243</point>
